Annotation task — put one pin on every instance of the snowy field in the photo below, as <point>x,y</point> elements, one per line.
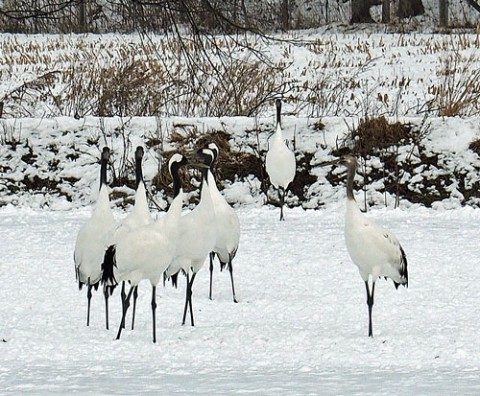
<point>319,73</point>
<point>299,328</point>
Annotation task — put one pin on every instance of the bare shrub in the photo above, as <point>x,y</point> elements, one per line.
<point>243,88</point>
<point>18,99</point>
<point>131,88</point>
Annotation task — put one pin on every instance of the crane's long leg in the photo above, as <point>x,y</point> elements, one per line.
<point>125,309</point>
<point>212,257</point>
<point>134,309</point>
<point>89,298</point>
<point>123,296</point>
<point>370,307</point>
<point>154,307</point>
<point>281,193</point>
<point>105,293</point>
<point>230,268</point>
<point>190,300</point>
<point>187,299</point>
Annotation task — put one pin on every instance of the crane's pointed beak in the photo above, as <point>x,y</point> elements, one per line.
<point>327,163</point>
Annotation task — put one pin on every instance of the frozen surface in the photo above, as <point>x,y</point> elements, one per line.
<point>300,327</point>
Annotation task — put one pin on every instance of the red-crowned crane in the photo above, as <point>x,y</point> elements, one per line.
<point>197,235</point>
<point>139,216</point>
<point>373,249</point>
<point>93,238</point>
<point>227,226</point>
<point>280,162</point>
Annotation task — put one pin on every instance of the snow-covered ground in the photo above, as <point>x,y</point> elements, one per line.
<point>300,326</point>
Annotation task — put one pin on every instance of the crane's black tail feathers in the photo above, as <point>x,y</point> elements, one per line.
<point>403,270</point>
<point>222,265</point>
<point>94,285</point>
<point>174,279</point>
<point>109,262</point>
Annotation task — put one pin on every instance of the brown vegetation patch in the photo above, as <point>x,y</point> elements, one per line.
<point>121,196</point>
<point>124,180</point>
<point>373,134</point>
<point>475,146</point>
<point>318,126</point>
<point>239,165</point>
<point>37,183</point>
<point>220,138</point>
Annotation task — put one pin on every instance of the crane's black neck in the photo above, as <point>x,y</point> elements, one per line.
<point>278,103</point>
<point>138,166</point>
<point>177,180</point>
<point>138,172</point>
<point>103,166</point>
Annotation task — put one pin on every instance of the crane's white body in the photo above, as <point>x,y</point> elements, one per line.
<point>280,162</point>
<point>227,224</point>
<point>93,239</point>
<point>373,249</point>
<point>196,235</point>
<point>148,250</point>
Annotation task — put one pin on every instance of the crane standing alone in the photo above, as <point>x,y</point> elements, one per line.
<point>280,161</point>
<point>227,228</point>
<point>93,239</point>
<point>373,249</point>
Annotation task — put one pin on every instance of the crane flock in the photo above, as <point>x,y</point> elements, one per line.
<point>141,248</point>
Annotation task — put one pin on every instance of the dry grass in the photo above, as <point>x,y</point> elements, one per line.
<point>458,93</point>
<point>165,77</point>
<point>83,75</point>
